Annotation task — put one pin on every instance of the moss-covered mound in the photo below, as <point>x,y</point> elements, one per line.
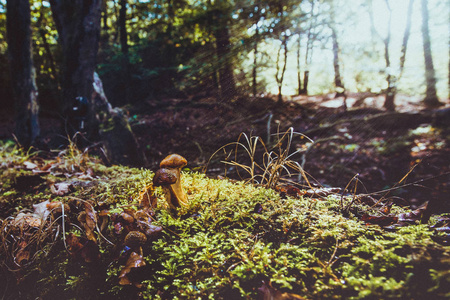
<point>233,241</point>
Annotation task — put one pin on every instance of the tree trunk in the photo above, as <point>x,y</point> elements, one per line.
<point>18,25</point>
<point>255,48</point>
<point>431,99</point>
<point>124,47</point>
<point>299,77</point>
<point>389,102</point>
<point>120,144</point>
<point>223,51</point>
<point>340,90</point>
<point>78,25</point>
<point>308,54</point>
<point>279,76</point>
<point>406,35</point>
<point>226,77</point>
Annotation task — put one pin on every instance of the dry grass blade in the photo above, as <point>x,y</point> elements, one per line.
<point>269,168</point>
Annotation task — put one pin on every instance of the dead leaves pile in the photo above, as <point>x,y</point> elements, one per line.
<point>28,233</point>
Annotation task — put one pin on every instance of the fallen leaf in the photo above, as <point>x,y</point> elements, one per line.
<point>147,198</point>
<point>88,219</point>
<point>80,248</point>
<point>26,219</point>
<point>135,260</point>
<point>379,220</point>
<point>60,188</point>
<point>40,210</point>
<point>414,215</point>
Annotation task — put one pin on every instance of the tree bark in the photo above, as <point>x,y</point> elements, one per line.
<point>78,25</point>
<point>340,90</point>
<point>389,102</point>
<point>18,25</point>
<point>254,69</point>
<point>309,48</point>
<point>124,48</point>
<point>406,35</point>
<point>431,99</point>
<point>299,77</point>
<point>279,76</point>
<point>223,51</point>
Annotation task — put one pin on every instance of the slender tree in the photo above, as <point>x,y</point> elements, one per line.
<point>340,89</point>
<point>431,99</point>
<point>221,19</point>
<point>281,70</point>
<point>310,36</point>
<point>299,73</point>
<point>18,27</point>
<point>124,48</point>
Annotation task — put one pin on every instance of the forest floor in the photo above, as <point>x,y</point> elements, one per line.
<point>74,228</point>
<point>381,148</point>
<point>362,140</point>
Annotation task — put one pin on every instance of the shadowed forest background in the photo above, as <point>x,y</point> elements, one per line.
<point>367,82</point>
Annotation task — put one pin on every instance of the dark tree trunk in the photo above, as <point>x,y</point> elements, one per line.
<point>431,99</point>
<point>279,76</point>
<point>305,83</point>
<point>299,76</point>
<point>340,90</point>
<point>309,48</point>
<point>223,51</point>
<point>226,77</point>
<point>254,70</point>
<point>389,102</point>
<point>18,25</point>
<point>78,25</point>
<point>406,35</point>
<point>124,47</point>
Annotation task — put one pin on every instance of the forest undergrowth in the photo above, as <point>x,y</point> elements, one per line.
<point>72,227</point>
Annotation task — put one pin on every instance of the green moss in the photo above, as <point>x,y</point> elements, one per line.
<point>231,238</point>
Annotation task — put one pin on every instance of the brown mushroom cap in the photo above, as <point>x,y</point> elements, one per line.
<point>164,177</point>
<point>135,239</point>
<point>173,161</point>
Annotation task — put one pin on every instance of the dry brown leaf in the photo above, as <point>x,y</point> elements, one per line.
<point>135,260</point>
<point>26,219</point>
<point>147,198</point>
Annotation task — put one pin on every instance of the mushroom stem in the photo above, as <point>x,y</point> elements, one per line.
<point>178,191</point>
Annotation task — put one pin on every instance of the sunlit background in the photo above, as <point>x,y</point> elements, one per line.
<point>362,59</point>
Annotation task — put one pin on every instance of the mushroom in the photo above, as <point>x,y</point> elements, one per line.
<point>169,178</point>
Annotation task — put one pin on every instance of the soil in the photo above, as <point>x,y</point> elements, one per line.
<point>347,147</point>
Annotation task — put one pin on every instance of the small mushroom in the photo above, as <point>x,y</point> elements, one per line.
<point>169,178</point>
<point>134,239</point>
